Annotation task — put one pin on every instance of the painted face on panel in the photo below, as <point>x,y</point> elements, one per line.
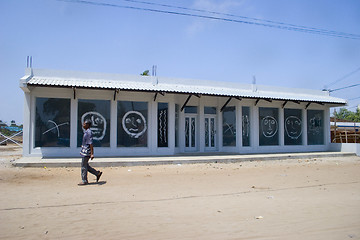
<point>269,126</point>
<point>293,127</point>
<point>134,124</point>
<point>98,124</point>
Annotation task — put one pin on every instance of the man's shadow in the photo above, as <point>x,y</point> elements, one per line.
<point>97,183</point>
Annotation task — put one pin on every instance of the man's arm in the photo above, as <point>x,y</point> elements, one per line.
<point>91,152</point>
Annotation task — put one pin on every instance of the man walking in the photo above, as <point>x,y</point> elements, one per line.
<point>87,152</point>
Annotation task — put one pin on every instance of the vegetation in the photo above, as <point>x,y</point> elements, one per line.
<point>345,114</point>
<point>145,73</point>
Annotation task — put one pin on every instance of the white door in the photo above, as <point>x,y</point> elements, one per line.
<point>210,133</point>
<point>190,133</point>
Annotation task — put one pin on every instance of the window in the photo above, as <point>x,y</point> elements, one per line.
<point>229,126</point>
<point>163,124</point>
<point>210,110</point>
<point>132,124</point>
<point>268,126</point>
<point>293,126</point>
<point>52,123</point>
<point>98,111</point>
<point>245,126</point>
<point>315,127</point>
<point>190,109</point>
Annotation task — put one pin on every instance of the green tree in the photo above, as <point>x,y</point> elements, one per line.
<point>145,73</point>
<point>345,114</point>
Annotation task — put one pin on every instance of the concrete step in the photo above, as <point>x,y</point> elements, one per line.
<point>174,159</point>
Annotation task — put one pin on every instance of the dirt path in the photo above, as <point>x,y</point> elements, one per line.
<point>290,199</point>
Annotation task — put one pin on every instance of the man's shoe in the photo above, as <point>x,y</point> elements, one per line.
<point>82,184</point>
<point>98,177</point>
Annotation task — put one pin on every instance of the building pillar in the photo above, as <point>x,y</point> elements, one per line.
<point>254,127</point>
<point>327,134</point>
<point>281,127</point>
<point>171,127</point>
<point>113,125</point>
<point>201,126</point>
<point>152,134</point>
<point>219,127</point>
<point>182,130</point>
<point>238,118</point>
<point>73,123</point>
<point>304,127</point>
<point>26,124</point>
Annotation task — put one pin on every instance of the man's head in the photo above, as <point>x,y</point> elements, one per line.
<point>87,124</point>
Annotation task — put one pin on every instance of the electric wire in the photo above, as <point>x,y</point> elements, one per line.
<point>353,98</point>
<point>344,77</point>
<point>354,85</point>
<point>350,107</point>
<point>271,25</point>
<point>244,17</point>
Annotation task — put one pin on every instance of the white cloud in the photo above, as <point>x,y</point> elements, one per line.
<point>220,6</point>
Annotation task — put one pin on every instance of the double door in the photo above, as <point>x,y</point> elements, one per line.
<point>210,133</point>
<point>191,129</point>
<point>190,132</point>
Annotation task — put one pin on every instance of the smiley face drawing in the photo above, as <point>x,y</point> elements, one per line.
<point>293,127</point>
<point>98,124</point>
<point>269,126</point>
<point>134,124</point>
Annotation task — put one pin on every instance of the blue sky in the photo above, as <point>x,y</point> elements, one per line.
<point>73,36</point>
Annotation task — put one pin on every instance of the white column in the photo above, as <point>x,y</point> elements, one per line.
<point>238,117</point>
<point>327,136</point>
<point>220,128</point>
<point>171,127</point>
<point>181,130</point>
<point>281,127</point>
<point>152,134</point>
<point>254,127</point>
<point>201,126</point>
<point>113,125</point>
<point>73,123</point>
<point>26,124</point>
<point>304,127</point>
<point>32,123</point>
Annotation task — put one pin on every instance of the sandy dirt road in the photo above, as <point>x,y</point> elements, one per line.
<point>285,199</point>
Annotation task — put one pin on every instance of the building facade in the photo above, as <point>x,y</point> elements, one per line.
<point>143,116</point>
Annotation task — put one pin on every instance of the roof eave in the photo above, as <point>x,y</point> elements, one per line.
<point>335,104</point>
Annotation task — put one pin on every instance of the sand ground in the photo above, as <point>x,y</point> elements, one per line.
<point>284,199</point>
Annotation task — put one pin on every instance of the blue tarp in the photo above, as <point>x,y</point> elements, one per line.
<point>13,129</point>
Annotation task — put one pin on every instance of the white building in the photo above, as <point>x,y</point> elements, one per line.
<point>139,115</point>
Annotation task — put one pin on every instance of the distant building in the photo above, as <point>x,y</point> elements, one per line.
<point>13,123</point>
<point>149,115</point>
<point>2,124</point>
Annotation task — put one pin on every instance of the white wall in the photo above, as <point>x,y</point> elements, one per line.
<point>346,147</point>
<point>171,99</point>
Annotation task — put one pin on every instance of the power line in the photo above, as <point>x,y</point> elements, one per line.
<point>353,98</point>
<point>351,107</point>
<point>271,25</point>
<point>250,18</point>
<point>344,88</point>
<point>344,77</point>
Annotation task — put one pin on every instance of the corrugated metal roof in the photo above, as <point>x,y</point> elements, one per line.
<point>58,78</point>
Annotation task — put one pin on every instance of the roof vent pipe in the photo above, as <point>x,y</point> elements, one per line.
<point>254,89</point>
<point>155,80</point>
<point>29,62</point>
